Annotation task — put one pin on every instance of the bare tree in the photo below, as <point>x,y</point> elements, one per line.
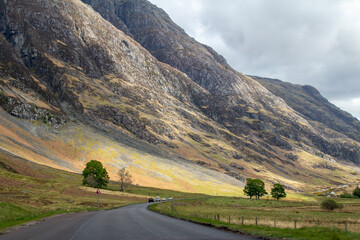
<point>125,178</point>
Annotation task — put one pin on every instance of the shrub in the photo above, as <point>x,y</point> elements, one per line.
<point>347,195</point>
<point>357,192</point>
<point>4,101</point>
<point>330,204</point>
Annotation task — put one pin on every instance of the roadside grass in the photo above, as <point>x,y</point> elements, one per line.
<point>215,211</point>
<point>29,191</point>
<point>13,214</point>
<point>270,209</point>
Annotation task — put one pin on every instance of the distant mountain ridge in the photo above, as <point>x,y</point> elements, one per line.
<point>313,106</point>
<point>126,85</point>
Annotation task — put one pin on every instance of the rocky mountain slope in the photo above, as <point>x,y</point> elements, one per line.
<point>120,82</point>
<point>235,96</point>
<point>307,101</point>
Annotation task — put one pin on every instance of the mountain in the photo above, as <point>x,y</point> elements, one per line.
<point>229,89</point>
<point>307,101</point>
<point>118,81</point>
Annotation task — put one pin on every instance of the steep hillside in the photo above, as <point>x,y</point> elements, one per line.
<point>136,91</point>
<point>239,103</point>
<point>62,63</point>
<point>307,101</point>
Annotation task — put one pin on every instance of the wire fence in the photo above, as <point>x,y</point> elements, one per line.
<point>349,225</point>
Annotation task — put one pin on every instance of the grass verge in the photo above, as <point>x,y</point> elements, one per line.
<point>19,215</point>
<point>191,210</point>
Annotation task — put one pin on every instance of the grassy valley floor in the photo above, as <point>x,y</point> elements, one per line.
<point>29,191</point>
<point>278,219</point>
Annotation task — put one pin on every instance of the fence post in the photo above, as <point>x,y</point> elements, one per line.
<point>318,223</point>
<point>229,220</point>
<point>256,220</point>
<point>218,217</point>
<point>242,220</point>
<point>274,223</point>
<point>346,226</point>
<point>295,223</point>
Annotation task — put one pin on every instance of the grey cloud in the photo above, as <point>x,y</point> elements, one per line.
<point>304,42</point>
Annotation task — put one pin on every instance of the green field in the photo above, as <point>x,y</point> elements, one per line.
<point>260,216</point>
<point>29,191</point>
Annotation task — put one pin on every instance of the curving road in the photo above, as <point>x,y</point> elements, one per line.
<point>131,222</point>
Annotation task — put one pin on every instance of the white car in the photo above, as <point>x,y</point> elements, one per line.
<point>170,198</point>
<point>163,199</point>
<point>157,199</point>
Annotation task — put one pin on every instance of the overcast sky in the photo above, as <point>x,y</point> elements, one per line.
<point>314,42</point>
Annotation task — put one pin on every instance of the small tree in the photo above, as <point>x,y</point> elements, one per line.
<point>356,192</point>
<point>254,187</point>
<point>95,175</point>
<point>125,178</point>
<point>330,204</point>
<point>249,188</point>
<point>278,191</point>
<point>260,189</point>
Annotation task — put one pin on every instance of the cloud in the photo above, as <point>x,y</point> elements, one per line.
<point>304,42</point>
<point>352,105</point>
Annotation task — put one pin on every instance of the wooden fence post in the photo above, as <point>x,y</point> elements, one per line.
<point>242,220</point>
<point>274,223</point>
<point>318,223</point>
<point>295,223</point>
<point>218,217</point>
<point>346,226</point>
<point>256,221</point>
<point>229,220</point>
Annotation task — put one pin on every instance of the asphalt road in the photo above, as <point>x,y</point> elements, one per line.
<point>131,222</point>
